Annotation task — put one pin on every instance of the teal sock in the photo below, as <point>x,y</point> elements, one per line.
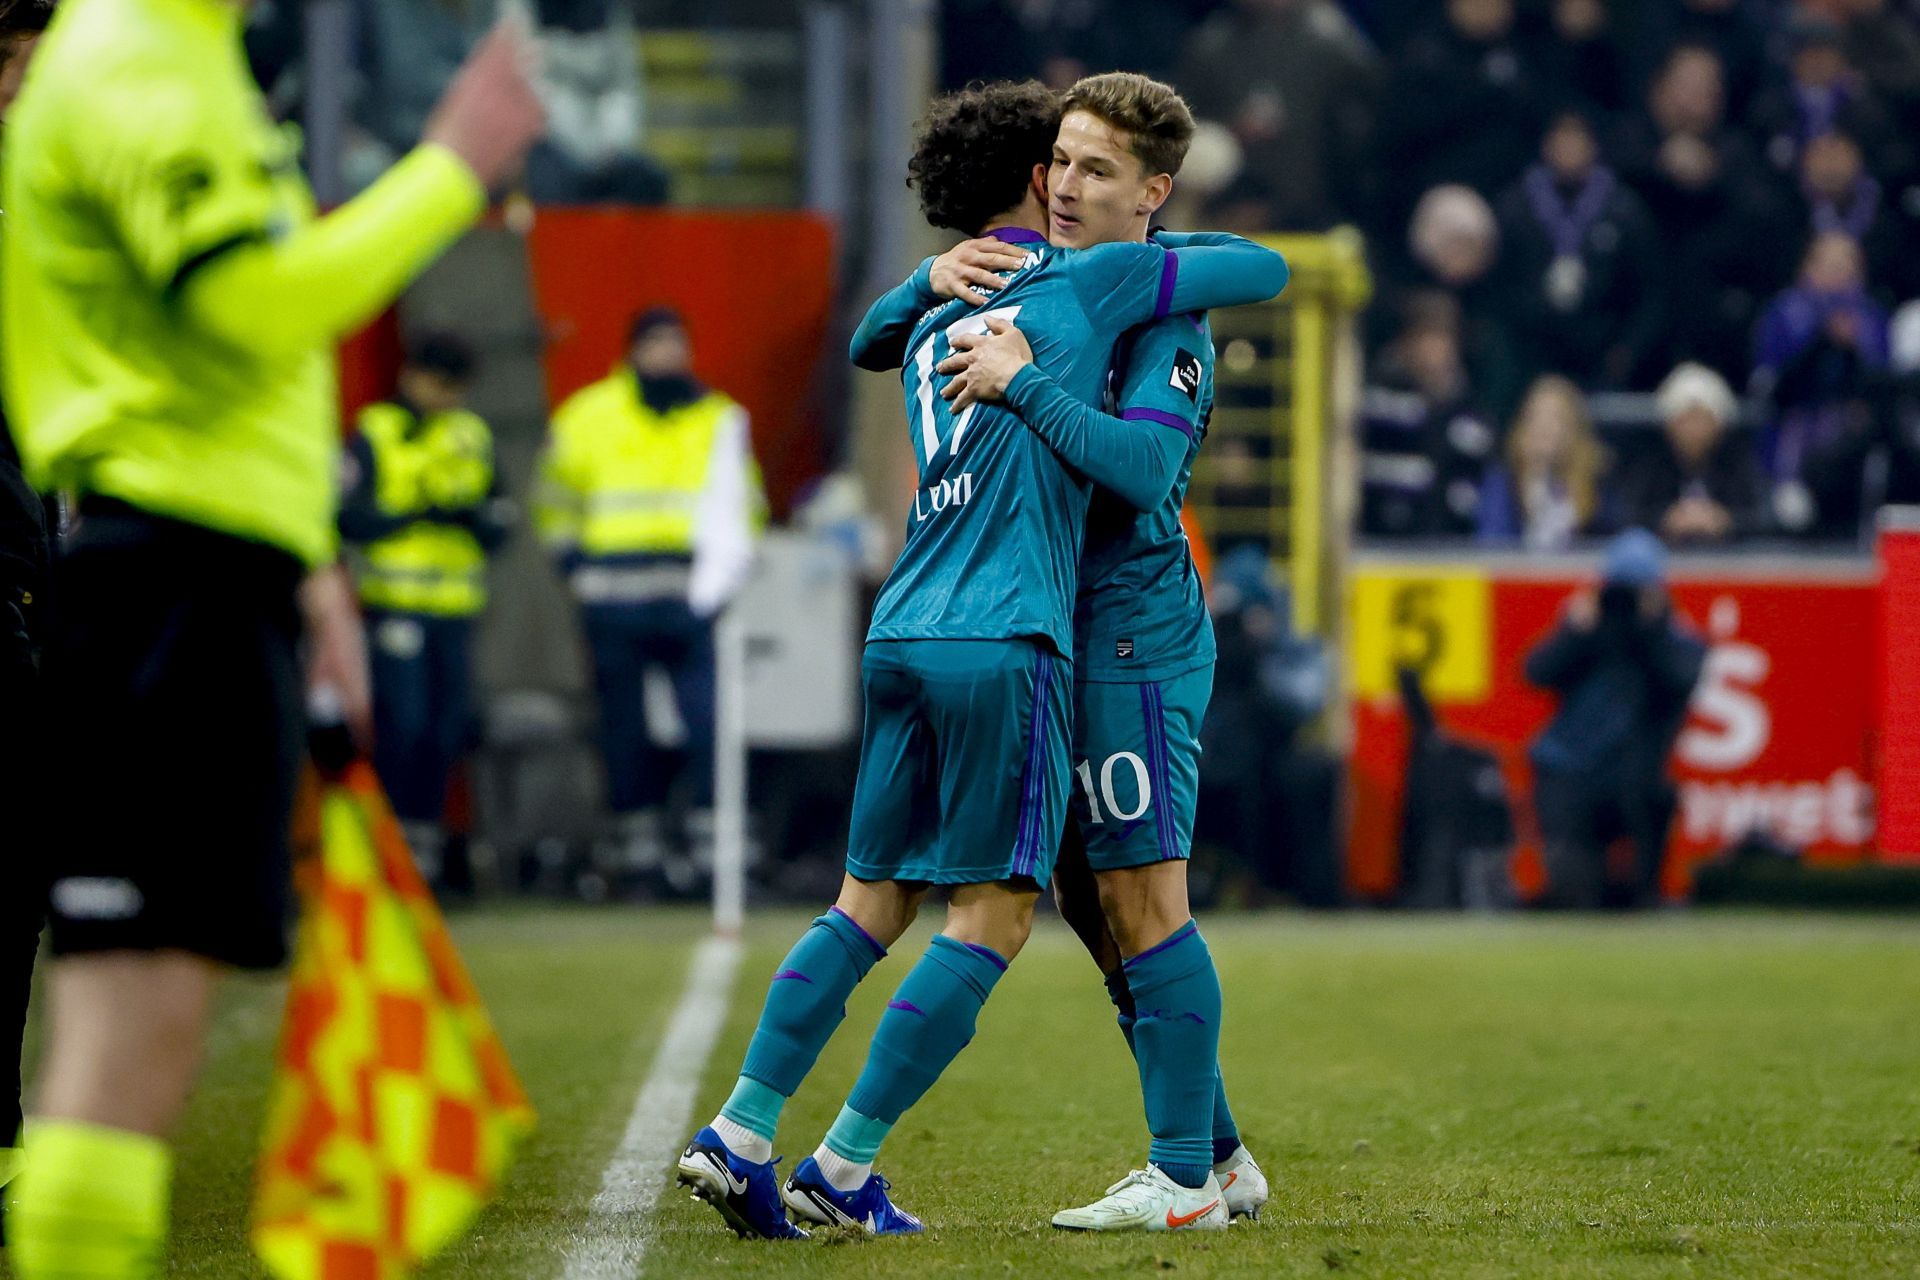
<point>1176,1034</point>
<point>805,1003</point>
<point>926,1025</point>
<point>1226,1131</point>
<point>1122,1005</point>
<point>755,1107</point>
<point>855,1137</point>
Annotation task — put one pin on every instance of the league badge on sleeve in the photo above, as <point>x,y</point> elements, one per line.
<point>1186,374</point>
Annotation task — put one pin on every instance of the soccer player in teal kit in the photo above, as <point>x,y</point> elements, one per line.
<point>1143,677</point>
<point>968,666</point>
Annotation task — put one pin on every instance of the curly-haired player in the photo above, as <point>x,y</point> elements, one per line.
<point>968,668</point>
<point>990,140</point>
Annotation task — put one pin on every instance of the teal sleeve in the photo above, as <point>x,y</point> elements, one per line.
<point>1168,375</point>
<point>1138,459</point>
<point>1195,239</point>
<point>880,343</point>
<point>1126,284</point>
<point>1231,273</point>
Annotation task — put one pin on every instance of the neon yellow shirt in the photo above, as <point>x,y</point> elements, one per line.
<point>167,302</point>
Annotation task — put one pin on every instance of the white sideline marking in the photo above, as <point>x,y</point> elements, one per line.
<point>619,1228</point>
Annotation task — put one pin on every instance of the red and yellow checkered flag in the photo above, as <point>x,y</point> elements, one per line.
<point>394,1109</point>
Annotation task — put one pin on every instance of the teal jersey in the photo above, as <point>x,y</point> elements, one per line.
<point>1140,614</point>
<point>997,523</point>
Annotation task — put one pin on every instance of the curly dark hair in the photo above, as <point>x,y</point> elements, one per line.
<point>976,150</point>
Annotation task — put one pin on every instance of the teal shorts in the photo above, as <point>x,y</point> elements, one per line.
<point>964,767</point>
<point>1136,751</point>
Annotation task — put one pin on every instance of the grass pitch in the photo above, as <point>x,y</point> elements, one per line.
<point>1731,1096</point>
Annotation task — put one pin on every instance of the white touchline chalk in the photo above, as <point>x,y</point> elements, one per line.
<point>619,1226</point>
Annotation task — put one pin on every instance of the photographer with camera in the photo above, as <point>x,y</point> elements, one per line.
<point>1623,668</point>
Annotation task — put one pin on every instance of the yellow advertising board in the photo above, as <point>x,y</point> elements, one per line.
<point>1435,620</point>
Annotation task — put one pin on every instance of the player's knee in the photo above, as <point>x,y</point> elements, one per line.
<point>1145,905</point>
<point>992,916</point>
<point>885,909</point>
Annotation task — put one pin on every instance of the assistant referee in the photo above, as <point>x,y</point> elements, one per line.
<point>25,589</point>
<point>168,305</point>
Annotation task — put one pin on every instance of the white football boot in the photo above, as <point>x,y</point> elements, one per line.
<point>1242,1184</point>
<point>1148,1200</point>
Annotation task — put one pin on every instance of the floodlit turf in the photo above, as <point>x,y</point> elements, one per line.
<point>1731,1096</point>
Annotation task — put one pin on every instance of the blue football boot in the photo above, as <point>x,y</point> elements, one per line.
<point>811,1196</point>
<point>746,1194</point>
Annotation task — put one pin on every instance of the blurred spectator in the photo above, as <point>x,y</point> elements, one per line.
<point>1707,191</point>
<point>423,508</point>
<point>1819,346</point>
<point>1836,193</point>
<point>1579,56</point>
<point>1728,27</point>
<point>1882,42</point>
<point>1461,106</point>
<point>1582,261</point>
<point>1704,485</point>
<point>1214,164</point>
<point>1547,494</point>
<point>275,41</point>
<point>1295,82</point>
<point>1452,249</point>
<point>1059,41</point>
<point>408,55</point>
<point>650,499</point>
<point>1823,93</point>
<point>1623,669</point>
<point>1426,444</point>
<point>1246,206</point>
<point>1873,458</point>
<point>1267,797</point>
<point>590,82</point>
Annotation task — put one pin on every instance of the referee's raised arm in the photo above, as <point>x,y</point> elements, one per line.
<point>169,303</point>
<point>335,274</point>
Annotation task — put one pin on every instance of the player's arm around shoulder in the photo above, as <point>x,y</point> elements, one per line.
<point>880,343</point>
<point>1220,269</point>
<point>1127,283</point>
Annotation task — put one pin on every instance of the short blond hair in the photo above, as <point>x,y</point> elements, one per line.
<point>1155,118</point>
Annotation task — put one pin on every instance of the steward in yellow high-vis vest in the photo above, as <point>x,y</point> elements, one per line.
<point>421,504</point>
<point>650,499</point>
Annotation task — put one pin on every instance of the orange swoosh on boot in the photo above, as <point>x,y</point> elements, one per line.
<point>1177,1220</point>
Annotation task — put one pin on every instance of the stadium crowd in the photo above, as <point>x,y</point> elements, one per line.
<point>1711,203</point>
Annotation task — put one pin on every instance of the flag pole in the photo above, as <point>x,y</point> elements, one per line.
<point>730,774</point>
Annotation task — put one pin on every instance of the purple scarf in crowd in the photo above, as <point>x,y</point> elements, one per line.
<point>1791,324</point>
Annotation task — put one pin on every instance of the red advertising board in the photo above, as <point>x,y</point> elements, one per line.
<point>756,289</point>
<point>1779,737</point>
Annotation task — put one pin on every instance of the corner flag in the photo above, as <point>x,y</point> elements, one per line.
<point>394,1109</point>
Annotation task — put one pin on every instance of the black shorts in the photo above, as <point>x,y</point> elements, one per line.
<point>178,742</point>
